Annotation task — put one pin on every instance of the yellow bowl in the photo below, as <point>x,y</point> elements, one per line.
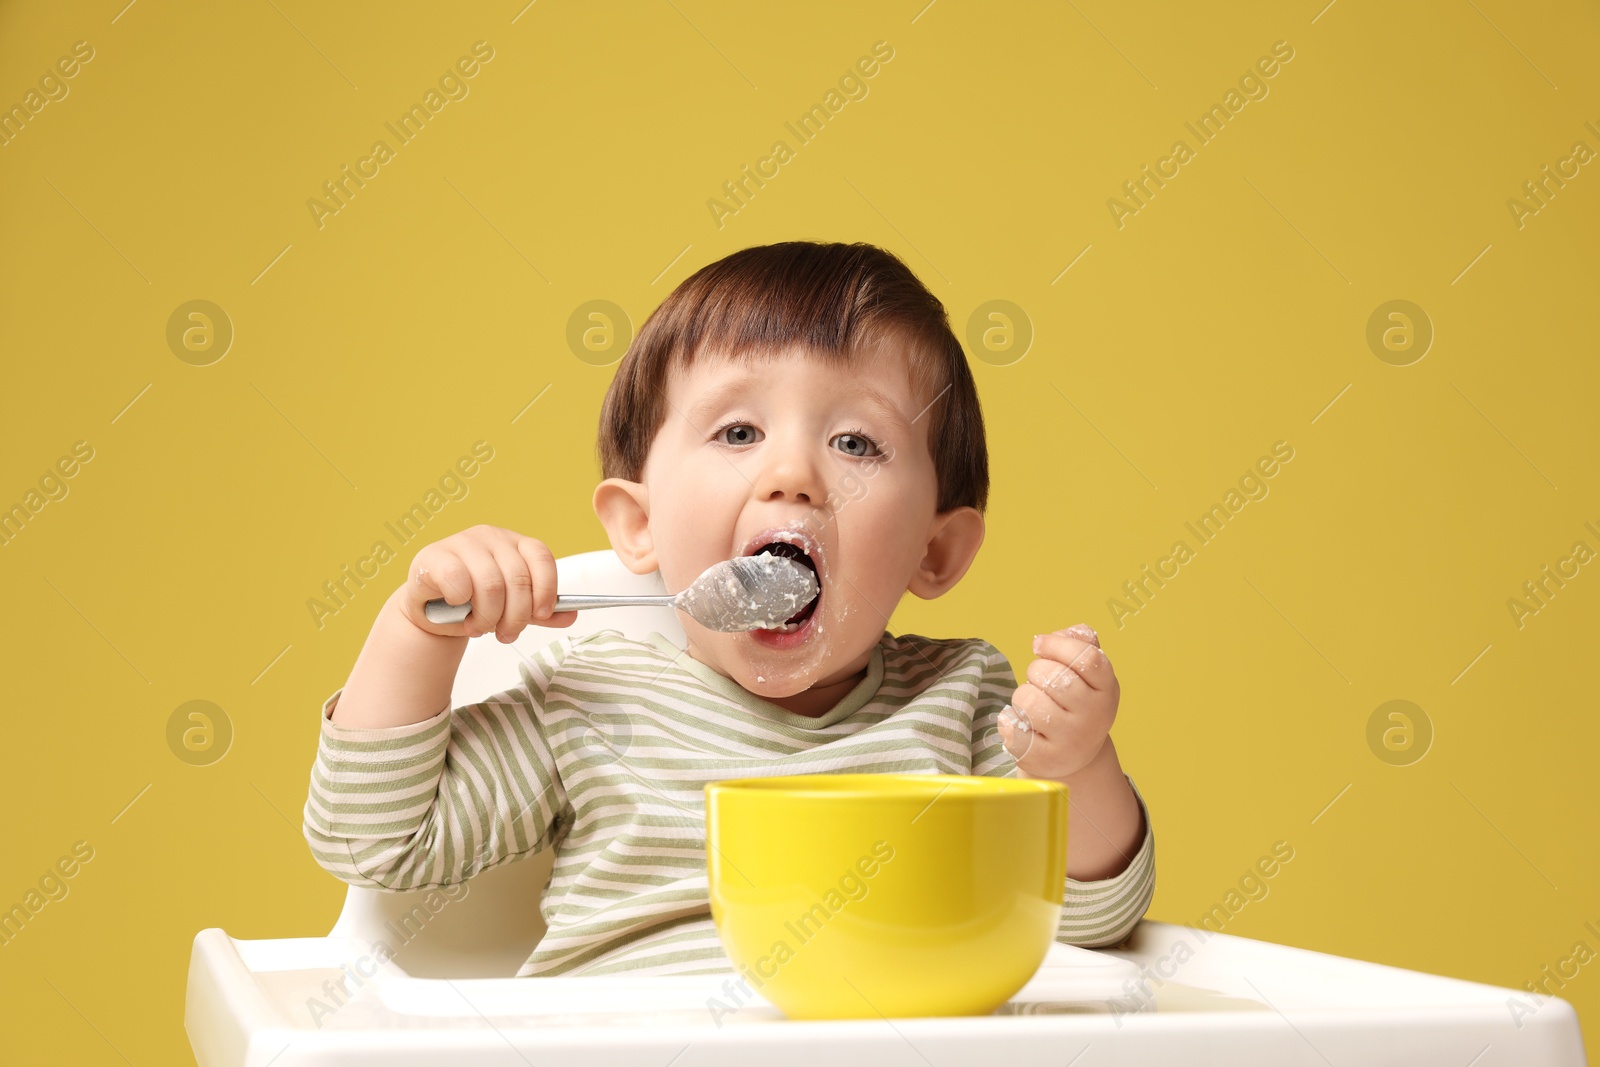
<point>842,896</point>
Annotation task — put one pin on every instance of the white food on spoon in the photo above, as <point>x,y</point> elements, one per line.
<point>749,593</point>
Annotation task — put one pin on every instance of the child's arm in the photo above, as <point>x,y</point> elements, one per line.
<point>407,794</point>
<point>402,676</point>
<point>435,802</point>
<point>1110,843</point>
<point>1107,818</point>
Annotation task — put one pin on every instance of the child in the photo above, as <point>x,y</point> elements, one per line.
<point>800,395</point>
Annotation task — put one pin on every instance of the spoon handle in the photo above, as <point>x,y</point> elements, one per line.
<point>442,612</point>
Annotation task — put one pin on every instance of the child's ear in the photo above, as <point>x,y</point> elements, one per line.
<point>957,534</point>
<point>623,508</point>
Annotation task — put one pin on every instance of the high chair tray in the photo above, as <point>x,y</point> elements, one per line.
<point>1224,1000</point>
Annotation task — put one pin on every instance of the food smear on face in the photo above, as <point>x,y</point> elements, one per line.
<point>788,658</point>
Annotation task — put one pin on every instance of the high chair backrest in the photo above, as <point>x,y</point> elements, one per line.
<point>493,922</point>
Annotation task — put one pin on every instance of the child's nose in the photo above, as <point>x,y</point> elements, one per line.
<point>792,474</point>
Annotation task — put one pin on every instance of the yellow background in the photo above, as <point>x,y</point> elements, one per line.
<point>1226,315</point>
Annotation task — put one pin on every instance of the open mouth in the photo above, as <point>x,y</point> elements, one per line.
<point>799,555</point>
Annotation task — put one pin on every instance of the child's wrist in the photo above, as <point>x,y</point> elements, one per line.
<point>1094,769</point>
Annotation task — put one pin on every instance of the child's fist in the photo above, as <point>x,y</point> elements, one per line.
<point>1060,717</point>
<point>510,579</point>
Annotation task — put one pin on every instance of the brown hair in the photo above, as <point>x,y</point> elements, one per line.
<point>838,300</point>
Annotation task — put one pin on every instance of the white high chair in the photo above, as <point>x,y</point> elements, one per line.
<point>446,996</point>
<point>493,928</point>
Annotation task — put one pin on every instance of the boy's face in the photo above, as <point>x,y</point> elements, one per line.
<point>831,457</point>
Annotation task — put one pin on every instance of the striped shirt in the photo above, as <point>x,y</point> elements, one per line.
<point>602,751</point>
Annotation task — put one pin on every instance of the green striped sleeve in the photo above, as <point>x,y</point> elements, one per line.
<point>434,802</point>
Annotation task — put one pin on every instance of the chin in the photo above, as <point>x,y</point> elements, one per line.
<point>774,682</point>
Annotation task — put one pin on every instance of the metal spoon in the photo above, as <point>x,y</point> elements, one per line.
<point>744,593</point>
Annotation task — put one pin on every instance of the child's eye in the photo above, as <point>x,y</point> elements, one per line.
<point>738,433</point>
<point>855,443</point>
